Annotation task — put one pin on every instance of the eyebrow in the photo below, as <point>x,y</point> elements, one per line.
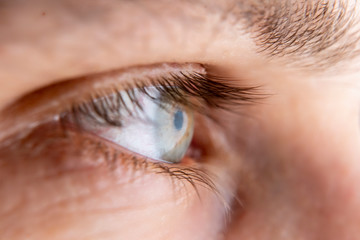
<point>321,33</point>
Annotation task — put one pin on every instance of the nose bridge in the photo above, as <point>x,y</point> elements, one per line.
<point>303,177</point>
<point>300,193</point>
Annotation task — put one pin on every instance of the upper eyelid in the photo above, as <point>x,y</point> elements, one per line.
<point>48,102</point>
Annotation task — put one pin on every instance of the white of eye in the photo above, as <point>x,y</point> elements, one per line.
<point>159,131</point>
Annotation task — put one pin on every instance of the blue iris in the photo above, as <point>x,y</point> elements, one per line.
<point>178,120</point>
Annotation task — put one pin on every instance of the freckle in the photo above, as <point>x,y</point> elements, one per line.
<point>43,13</point>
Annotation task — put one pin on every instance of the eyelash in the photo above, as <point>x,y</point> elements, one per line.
<point>197,91</point>
<point>195,175</point>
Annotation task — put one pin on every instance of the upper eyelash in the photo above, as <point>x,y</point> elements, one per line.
<point>201,91</point>
<point>193,90</point>
<point>212,91</point>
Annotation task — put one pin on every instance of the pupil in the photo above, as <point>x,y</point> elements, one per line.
<point>178,120</point>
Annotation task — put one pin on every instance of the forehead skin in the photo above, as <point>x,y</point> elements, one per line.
<point>325,29</point>
<point>45,41</point>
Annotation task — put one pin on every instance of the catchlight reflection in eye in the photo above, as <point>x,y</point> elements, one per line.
<point>143,122</point>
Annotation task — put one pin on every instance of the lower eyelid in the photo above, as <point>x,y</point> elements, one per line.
<point>52,151</point>
<point>68,172</point>
<point>51,181</point>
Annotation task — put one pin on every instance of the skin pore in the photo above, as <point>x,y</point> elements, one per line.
<point>283,167</point>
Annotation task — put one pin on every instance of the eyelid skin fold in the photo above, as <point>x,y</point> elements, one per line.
<point>47,103</point>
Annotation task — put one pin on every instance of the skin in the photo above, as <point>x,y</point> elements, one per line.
<point>286,168</point>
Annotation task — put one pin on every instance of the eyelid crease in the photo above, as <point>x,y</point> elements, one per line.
<point>44,104</point>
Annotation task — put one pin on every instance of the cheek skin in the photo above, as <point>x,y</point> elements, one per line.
<point>67,194</point>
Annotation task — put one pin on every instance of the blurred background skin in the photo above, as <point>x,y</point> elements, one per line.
<point>288,171</point>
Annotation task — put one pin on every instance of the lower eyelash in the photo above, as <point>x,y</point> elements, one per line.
<point>194,175</point>
<point>35,144</point>
<point>114,155</point>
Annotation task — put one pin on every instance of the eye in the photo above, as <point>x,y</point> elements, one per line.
<point>140,120</point>
<point>141,113</point>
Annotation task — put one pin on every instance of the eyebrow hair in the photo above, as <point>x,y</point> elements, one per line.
<point>309,32</point>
